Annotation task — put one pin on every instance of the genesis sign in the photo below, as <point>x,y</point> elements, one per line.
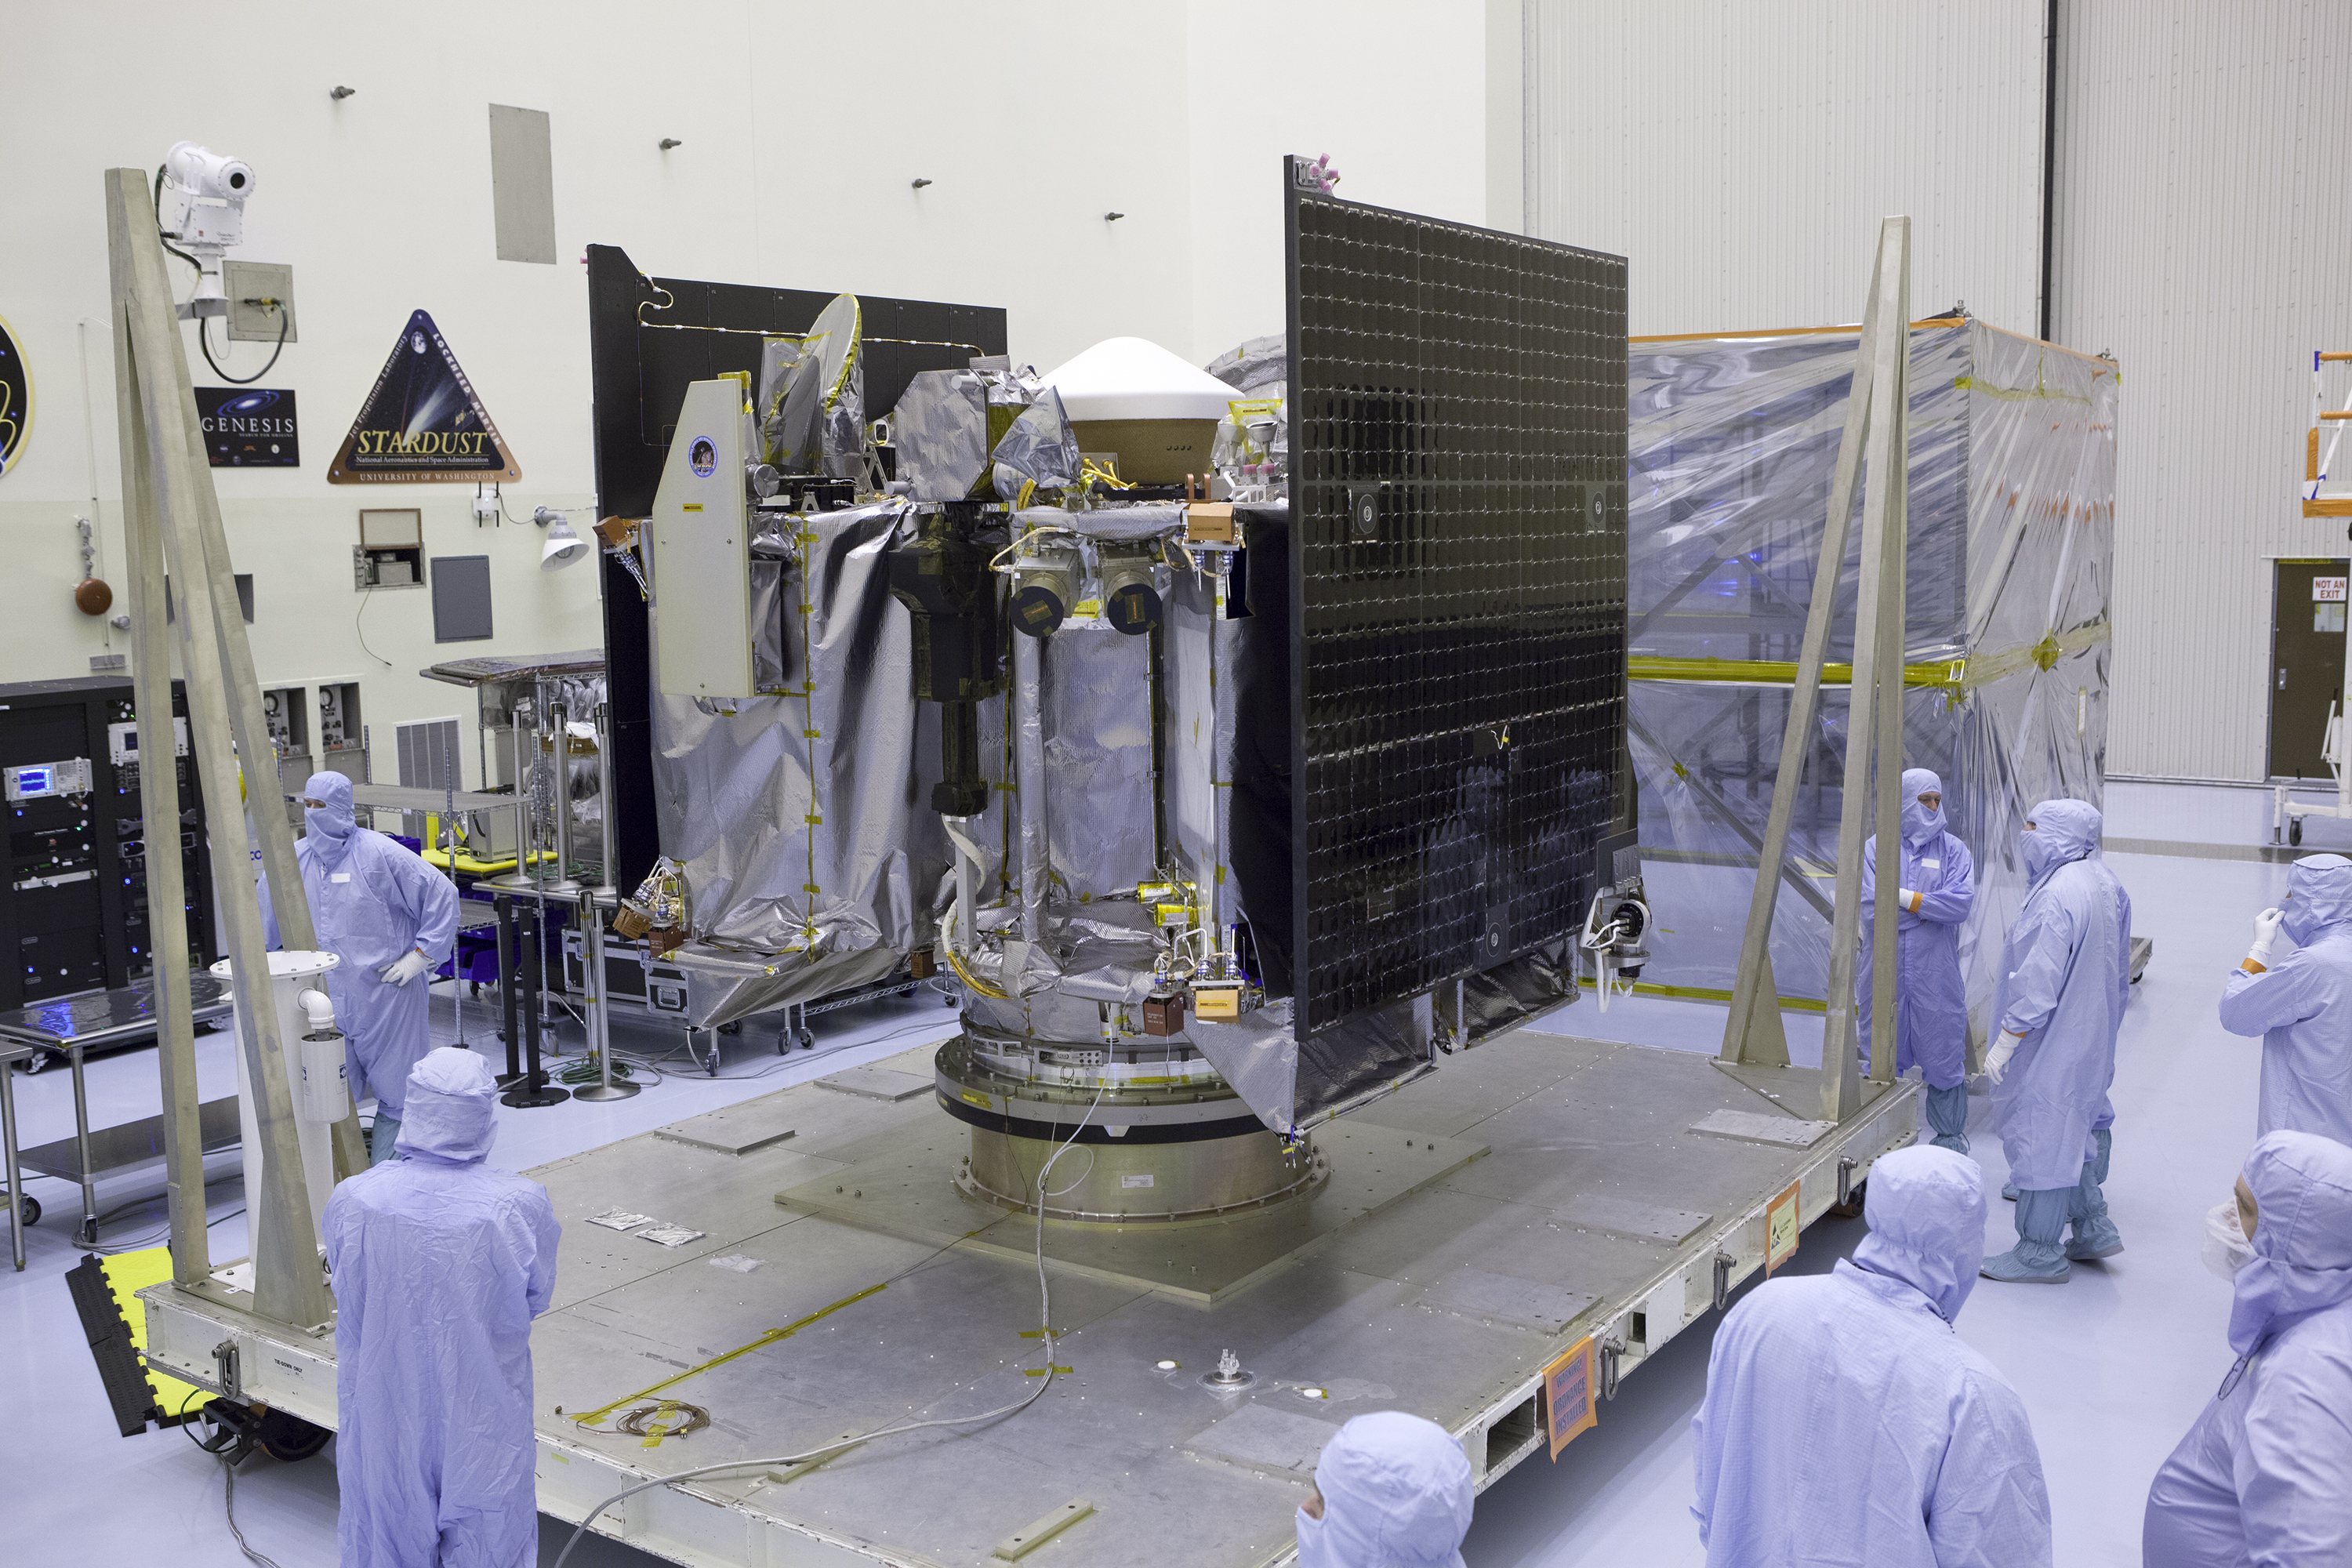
<point>248,428</point>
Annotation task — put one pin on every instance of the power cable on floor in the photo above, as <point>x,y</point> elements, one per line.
<point>228,1488</point>
<point>152,1237</point>
<point>1045,1378</point>
<point>228,1507</point>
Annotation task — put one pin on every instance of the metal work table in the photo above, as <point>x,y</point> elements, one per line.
<point>1531,1192</point>
<point>11,1053</point>
<point>497,667</point>
<point>416,797</point>
<point>71,1028</point>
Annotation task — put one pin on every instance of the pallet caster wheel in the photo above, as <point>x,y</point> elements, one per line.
<point>29,1210</point>
<point>290,1439</point>
<point>808,1039</point>
<point>2294,831</point>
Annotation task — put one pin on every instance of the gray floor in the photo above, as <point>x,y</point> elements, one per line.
<point>70,1483</point>
<point>2113,1366</point>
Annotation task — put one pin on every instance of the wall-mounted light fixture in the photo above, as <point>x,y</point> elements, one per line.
<point>563,545</point>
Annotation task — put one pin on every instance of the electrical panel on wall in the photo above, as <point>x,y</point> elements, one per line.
<point>342,733</point>
<point>243,598</point>
<point>1457,593</point>
<point>247,284</point>
<point>391,551</point>
<point>461,598</point>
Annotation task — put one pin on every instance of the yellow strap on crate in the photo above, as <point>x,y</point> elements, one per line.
<point>1954,677</point>
<point>1945,673</point>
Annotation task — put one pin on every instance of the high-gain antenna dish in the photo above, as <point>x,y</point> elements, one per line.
<point>814,385</point>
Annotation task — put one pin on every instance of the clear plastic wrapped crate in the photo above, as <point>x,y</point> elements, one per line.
<point>2011,546</point>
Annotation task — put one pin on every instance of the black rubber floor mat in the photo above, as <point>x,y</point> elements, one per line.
<point>129,1392</point>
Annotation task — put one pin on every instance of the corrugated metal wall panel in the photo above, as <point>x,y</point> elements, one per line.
<point>1741,156</point>
<point>2204,224</point>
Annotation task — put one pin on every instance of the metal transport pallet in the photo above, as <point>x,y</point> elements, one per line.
<point>1529,1193</point>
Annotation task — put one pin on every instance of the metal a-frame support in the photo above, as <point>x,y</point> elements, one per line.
<point>1877,431</point>
<point>172,519</point>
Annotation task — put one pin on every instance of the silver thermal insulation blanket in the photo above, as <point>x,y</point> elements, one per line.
<point>1255,368</point>
<point>1094,724</point>
<point>814,862</point>
<point>1093,719</point>
<point>809,869</point>
<point>2011,542</point>
<point>1039,449</point>
<point>940,426</point>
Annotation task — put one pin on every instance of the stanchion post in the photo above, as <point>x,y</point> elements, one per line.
<point>533,1091</point>
<point>600,1017</point>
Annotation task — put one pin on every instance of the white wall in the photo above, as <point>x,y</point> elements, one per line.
<point>803,130</point>
<point>2203,222</point>
<point>1395,93</point>
<point>1740,156</point>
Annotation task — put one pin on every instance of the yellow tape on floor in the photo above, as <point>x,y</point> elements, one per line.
<point>589,1418</point>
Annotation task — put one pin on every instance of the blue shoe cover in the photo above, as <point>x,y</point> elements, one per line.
<point>2020,1266</point>
<point>2095,1238</point>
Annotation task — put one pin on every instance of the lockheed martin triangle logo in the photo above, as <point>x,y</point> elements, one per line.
<point>422,421</point>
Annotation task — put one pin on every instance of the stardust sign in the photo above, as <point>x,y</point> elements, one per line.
<point>422,421</point>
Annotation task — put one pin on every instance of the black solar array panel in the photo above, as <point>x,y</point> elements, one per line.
<point>1457,411</point>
